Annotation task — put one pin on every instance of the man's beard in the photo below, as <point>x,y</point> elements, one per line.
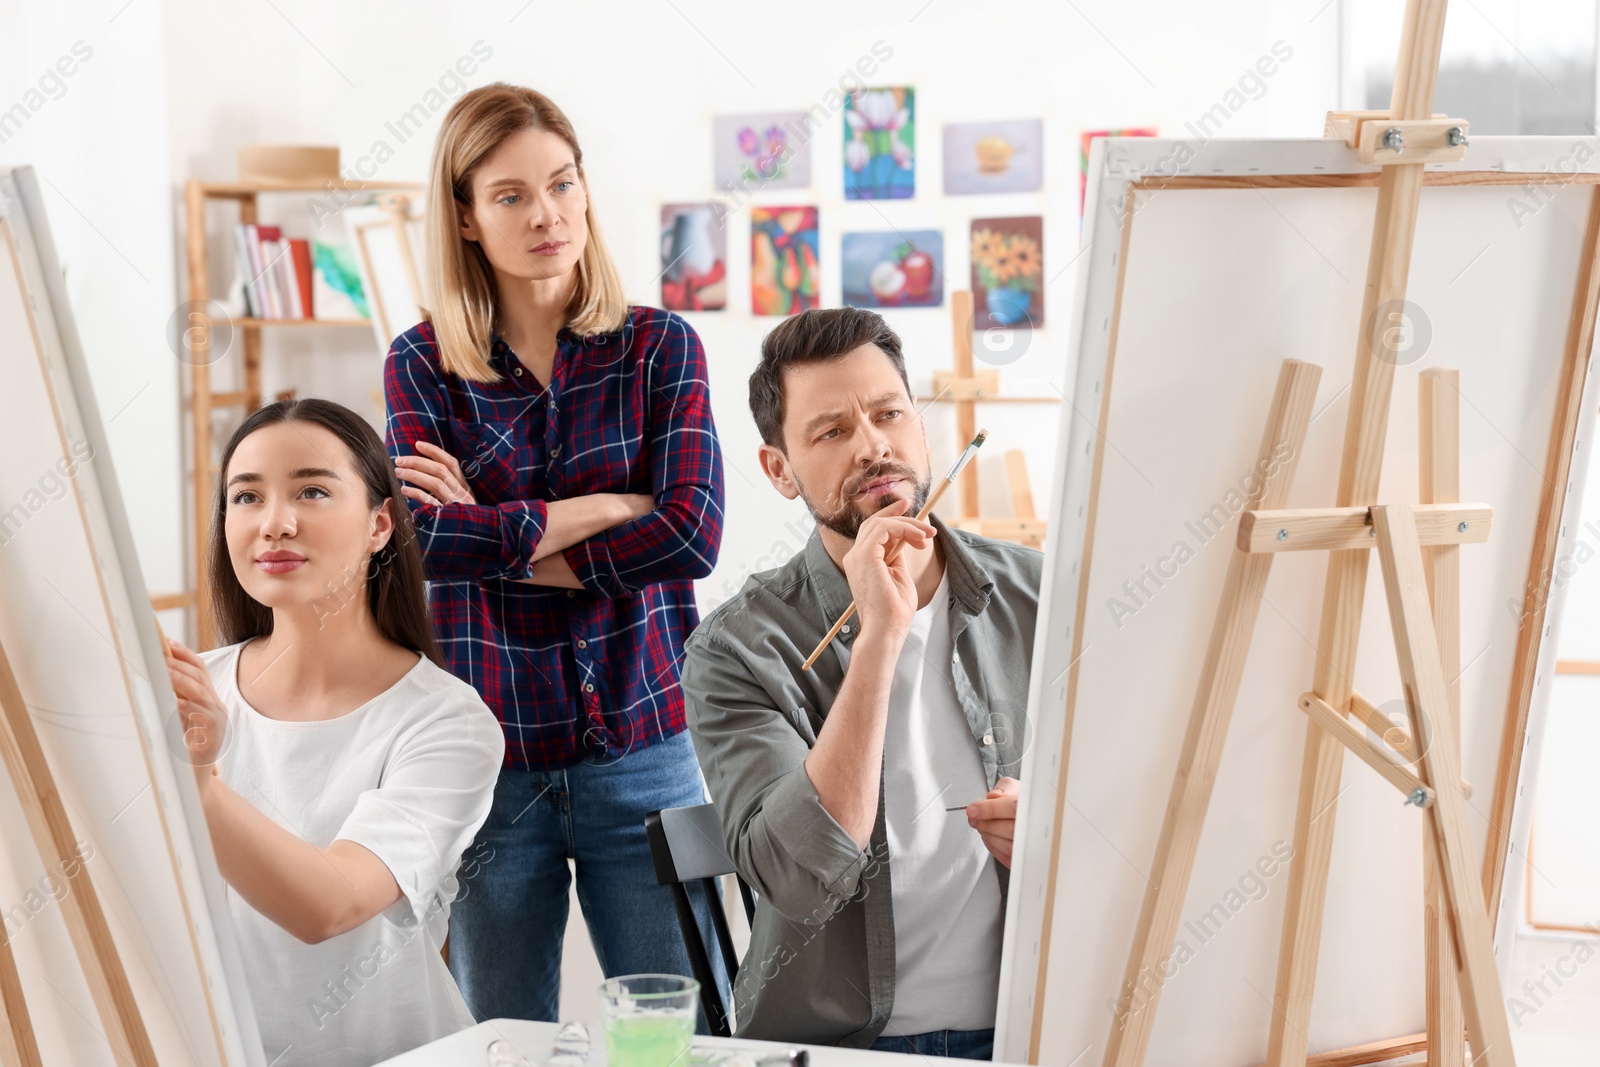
<point>847,520</point>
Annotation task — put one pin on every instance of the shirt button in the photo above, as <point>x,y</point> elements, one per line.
<point>955,657</point>
<point>518,372</point>
<point>582,643</point>
<point>572,592</point>
<point>588,687</point>
<point>556,451</point>
<point>988,739</point>
<point>845,629</point>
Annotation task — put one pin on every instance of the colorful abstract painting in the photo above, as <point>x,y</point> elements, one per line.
<point>1004,156</point>
<point>1008,273</point>
<point>768,150</point>
<point>1083,154</point>
<point>893,269</point>
<point>694,259</point>
<point>783,260</point>
<point>880,144</point>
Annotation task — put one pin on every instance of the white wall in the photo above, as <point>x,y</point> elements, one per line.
<point>97,137</point>
<point>174,87</point>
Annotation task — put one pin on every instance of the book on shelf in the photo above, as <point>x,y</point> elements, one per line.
<point>277,272</point>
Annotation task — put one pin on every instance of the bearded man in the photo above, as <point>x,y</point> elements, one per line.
<point>870,801</point>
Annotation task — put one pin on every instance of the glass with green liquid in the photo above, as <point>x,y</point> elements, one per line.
<point>648,1019</point>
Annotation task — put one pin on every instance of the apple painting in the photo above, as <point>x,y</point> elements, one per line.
<point>893,269</point>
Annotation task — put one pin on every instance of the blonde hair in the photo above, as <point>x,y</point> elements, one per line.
<point>460,282</point>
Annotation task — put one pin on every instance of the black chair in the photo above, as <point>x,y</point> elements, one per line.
<point>686,846</point>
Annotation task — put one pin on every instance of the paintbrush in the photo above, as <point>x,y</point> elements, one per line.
<point>894,550</point>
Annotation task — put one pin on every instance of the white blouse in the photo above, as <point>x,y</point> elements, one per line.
<point>409,775</point>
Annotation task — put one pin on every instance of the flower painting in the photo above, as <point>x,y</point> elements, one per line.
<point>1003,156</point>
<point>694,268</point>
<point>761,151</point>
<point>879,144</point>
<point>893,269</point>
<point>783,260</point>
<point>1008,273</point>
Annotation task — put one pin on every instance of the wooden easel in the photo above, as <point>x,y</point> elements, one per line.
<point>966,388</point>
<point>120,1021</point>
<point>1419,557</point>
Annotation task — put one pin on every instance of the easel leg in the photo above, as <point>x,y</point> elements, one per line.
<point>1208,728</point>
<point>24,760</point>
<point>1427,698</point>
<point>1388,265</point>
<point>966,411</point>
<point>1438,390</point>
<point>18,1048</point>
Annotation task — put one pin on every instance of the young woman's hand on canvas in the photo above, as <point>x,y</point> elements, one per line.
<point>434,477</point>
<point>995,818</point>
<point>205,719</point>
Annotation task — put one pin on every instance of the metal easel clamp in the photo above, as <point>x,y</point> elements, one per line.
<point>1435,140</point>
<point>1379,139</point>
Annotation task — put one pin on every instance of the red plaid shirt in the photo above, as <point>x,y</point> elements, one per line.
<point>572,674</point>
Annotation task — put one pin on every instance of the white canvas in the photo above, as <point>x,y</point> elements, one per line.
<point>1220,286</point>
<point>76,624</point>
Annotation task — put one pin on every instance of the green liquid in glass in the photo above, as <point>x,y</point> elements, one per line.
<point>649,1040</point>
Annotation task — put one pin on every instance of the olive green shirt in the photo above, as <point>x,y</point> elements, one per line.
<point>820,968</point>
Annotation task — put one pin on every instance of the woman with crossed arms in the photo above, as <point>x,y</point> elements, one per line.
<point>566,482</point>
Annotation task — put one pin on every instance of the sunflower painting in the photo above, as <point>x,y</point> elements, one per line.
<point>879,144</point>
<point>1008,272</point>
<point>783,260</point>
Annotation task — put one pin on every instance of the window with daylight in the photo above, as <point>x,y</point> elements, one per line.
<point>1508,66</point>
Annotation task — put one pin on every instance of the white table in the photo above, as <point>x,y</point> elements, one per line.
<point>469,1048</point>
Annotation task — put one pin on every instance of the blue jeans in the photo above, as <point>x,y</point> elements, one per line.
<point>957,1044</point>
<point>507,923</point>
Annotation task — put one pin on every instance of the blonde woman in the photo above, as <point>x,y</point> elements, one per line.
<point>566,483</point>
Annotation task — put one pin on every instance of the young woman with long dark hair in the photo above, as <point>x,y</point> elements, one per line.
<point>343,771</point>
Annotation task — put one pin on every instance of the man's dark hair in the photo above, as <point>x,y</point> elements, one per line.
<point>814,337</point>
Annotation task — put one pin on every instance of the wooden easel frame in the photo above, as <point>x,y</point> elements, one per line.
<point>396,209</point>
<point>966,387</point>
<point>230,1035</point>
<point>120,1021</point>
<point>1368,415</point>
<point>1555,485</point>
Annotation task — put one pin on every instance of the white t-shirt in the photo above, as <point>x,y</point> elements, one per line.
<point>948,921</point>
<point>409,775</point>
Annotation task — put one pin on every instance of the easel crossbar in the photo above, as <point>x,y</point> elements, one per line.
<point>1411,787</point>
<point>1304,529</point>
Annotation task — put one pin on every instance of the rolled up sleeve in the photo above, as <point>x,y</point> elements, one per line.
<point>778,834</point>
<point>466,541</point>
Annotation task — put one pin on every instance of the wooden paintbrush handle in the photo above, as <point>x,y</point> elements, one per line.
<point>888,557</point>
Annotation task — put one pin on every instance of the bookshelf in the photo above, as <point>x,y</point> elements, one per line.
<point>204,401</point>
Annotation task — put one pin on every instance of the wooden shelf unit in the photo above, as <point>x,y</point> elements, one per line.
<point>203,400</point>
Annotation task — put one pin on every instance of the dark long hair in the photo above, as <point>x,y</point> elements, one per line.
<point>395,574</point>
